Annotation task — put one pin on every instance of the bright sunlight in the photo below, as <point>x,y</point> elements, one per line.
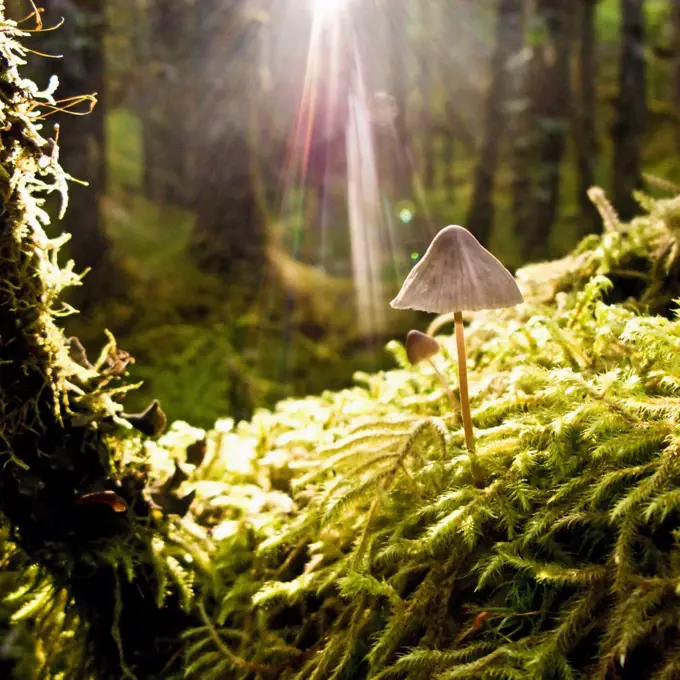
<point>326,10</point>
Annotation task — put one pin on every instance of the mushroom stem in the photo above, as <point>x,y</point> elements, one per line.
<point>463,382</point>
<point>447,389</point>
<point>465,399</point>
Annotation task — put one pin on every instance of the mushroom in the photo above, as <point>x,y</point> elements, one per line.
<point>421,347</point>
<point>458,274</point>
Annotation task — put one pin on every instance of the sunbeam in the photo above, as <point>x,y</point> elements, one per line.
<point>327,10</point>
<point>363,198</point>
<point>333,145</point>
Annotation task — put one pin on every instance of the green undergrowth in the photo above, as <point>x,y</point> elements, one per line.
<point>355,545</point>
<point>341,536</point>
<point>190,336</point>
<point>350,541</point>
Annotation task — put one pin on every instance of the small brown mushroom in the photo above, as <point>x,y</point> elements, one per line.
<point>458,274</point>
<point>421,347</point>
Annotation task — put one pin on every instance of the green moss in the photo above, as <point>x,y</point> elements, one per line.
<point>341,536</point>
<point>63,438</point>
<point>351,542</point>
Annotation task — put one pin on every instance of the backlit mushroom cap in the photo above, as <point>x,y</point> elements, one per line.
<point>420,347</point>
<point>457,274</point>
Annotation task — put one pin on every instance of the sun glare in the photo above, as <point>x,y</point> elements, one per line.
<point>327,9</point>
<point>337,109</point>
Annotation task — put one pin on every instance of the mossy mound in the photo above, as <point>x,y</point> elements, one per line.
<point>350,541</point>
<point>341,536</point>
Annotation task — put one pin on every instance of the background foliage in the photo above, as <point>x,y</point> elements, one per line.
<point>456,135</point>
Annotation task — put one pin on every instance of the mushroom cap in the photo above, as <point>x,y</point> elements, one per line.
<point>420,347</point>
<point>457,274</point>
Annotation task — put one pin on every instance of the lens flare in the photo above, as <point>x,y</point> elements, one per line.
<point>326,10</point>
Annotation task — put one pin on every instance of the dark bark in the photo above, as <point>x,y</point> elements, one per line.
<point>584,118</point>
<point>551,104</point>
<point>399,88</point>
<point>229,237</point>
<point>429,78</point>
<point>509,38</point>
<point>83,138</point>
<point>429,152</point>
<point>675,17</point>
<point>628,130</point>
<point>168,111</point>
<point>521,135</point>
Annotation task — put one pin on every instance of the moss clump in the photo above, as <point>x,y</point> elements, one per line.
<point>62,437</point>
<point>350,542</point>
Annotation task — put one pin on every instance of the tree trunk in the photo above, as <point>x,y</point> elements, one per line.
<point>521,135</point>
<point>628,130</point>
<point>429,150</point>
<point>675,14</point>
<point>551,103</point>
<point>399,89</point>
<point>509,38</point>
<point>83,138</point>
<point>229,237</point>
<point>584,117</point>
<point>53,447</point>
<point>429,79</point>
<point>167,119</point>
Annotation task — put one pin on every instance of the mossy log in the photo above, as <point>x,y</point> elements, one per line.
<point>55,413</point>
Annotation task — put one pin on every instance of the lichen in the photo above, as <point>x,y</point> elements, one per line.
<point>62,431</point>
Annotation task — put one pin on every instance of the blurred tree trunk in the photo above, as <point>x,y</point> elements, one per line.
<point>229,236</point>
<point>398,75</point>
<point>584,118</point>
<point>628,130</point>
<point>509,38</point>
<point>83,138</point>
<point>675,16</point>
<point>428,80</point>
<point>167,117</point>
<point>429,136</point>
<point>521,135</point>
<point>551,104</point>
<point>16,11</point>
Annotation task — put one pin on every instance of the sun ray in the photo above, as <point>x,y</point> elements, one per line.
<point>339,189</point>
